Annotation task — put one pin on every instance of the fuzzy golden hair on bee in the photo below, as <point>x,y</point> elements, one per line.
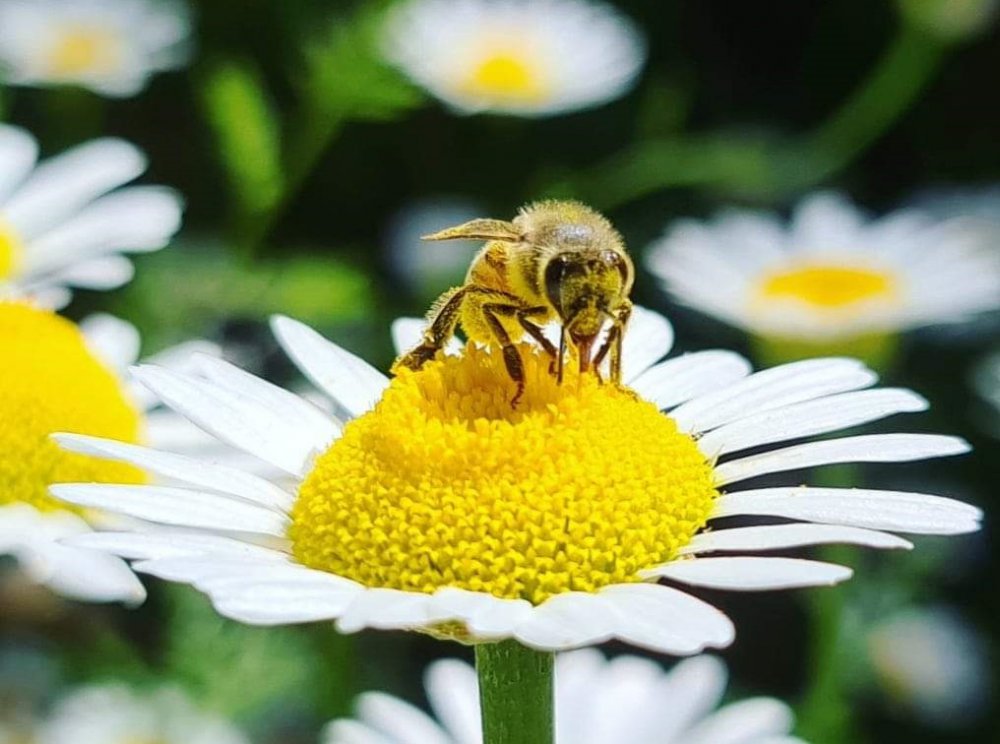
<point>556,261</point>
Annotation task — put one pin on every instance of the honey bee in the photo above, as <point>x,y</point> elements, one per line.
<point>555,261</point>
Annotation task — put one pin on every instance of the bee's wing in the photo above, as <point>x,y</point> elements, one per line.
<point>481,229</point>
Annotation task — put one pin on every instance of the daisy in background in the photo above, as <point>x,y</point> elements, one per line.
<point>428,503</point>
<point>520,57</point>
<point>932,664</point>
<point>831,278</point>
<point>55,376</point>
<point>65,222</point>
<point>111,47</point>
<point>597,701</point>
<point>116,714</point>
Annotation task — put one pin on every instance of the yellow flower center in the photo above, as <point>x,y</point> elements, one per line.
<point>506,77</point>
<point>82,49</point>
<point>50,381</point>
<point>444,484</point>
<point>10,249</point>
<point>829,287</point>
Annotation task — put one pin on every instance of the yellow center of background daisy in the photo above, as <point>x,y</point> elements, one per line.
<point>81,49</point>
<point>506,76</point>
<point>444,484</point>
<point>10,250</point>
<point>829,287</point>
<point>49,382</point>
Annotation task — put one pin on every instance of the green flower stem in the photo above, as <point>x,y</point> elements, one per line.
<point>825,714</point>
<point>307,148</point>
<point>766,167</point>
<point>515,691</point>
<point>893,85</point>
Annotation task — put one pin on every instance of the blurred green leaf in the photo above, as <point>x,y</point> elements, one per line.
<point>346,76</point>
<point>240,671</point>
<point>247,133</point>
<point>217,287</point>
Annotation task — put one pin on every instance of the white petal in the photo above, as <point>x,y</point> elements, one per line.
<point>63,184</point>
<point>144,546</point>
<point>567,621</point>
<point>106,272</point>
<point>666,620</point>
<point>18,151</point>
<point>692,689</point>
<point>175,506</point>
<point>92,576</point>
<point>348,379</point>
<point>678,380</point>
<point>753,720</point>
<point>185,469</point>
<point>881,510</point>
<point>36,540</point>
<point>453,691</point>
<point>773,388</point>
<point>114,340</point>
<point>748,573</point>
<point>347,731</point>
<point>400,721</point>
<point>772,537</point>
<point>320,426</point>
<point>385,609</point>
<point>408,332</point>
<point>487,617</point>
<point>139,218</point>
<point>868,448</point>
<point>235,417</point>
<point>648,338</point>
<point>799,420</point>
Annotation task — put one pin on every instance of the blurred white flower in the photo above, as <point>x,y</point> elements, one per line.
<point>57,375</point>
<point>933,663</point>
<point>426,266</point>
<point>115,714</point>
<point>986,381</point>
<point>597,701</point>
<point>65,222</point>
<point>109,46</point>
<point>830,273</point>
<point>521,57</point>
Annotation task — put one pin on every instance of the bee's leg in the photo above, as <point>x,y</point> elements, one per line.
<point>511,358</point>
<point>535,332</point>
<point>561,359</point>
<point>613,342</point>
<point>442,318</point>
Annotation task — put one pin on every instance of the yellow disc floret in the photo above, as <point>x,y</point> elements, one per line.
<point>49,382</point>
<point>445,484</point>
<point>830,287</point>
<point>10,250</point>
<point>85,49</point>
<point>506,76</point>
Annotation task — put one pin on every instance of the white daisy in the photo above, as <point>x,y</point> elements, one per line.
<point>112,47</point>
<point>597,701</point>
<point>521,57</point>
<point>115,714</point>
<point>831,273</point>
<point>54,376</point>
<point>933,664</point>
<point>65,222</point>
<point>430,504</point>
